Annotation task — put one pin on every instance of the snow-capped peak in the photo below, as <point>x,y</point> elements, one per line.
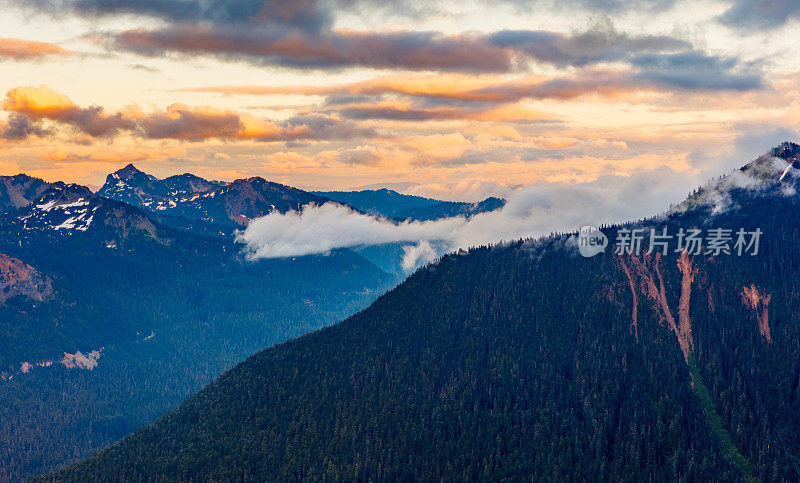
<point>64,207</point>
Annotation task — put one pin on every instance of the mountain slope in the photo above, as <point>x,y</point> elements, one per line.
<point>391,204</point>
<point>71,208</point>
<point>526,361</point>
<point>18,191</point>
<point>109,318</point>
<point>384,202</point>
<point>449,209</point>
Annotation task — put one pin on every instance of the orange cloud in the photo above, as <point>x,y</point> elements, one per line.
<point>461,87</point>
<point>179,121</point>
<point>76,155</point>
<point>44,103</point>
<point>408,110</point>
<point>39,102</point>
<point>192,124</point>
<point>18,49</point>
<point>438,85</point>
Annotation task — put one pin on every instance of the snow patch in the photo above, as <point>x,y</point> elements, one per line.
<point>785,172</point>
<point>68,224</point>
<point>47,206</point>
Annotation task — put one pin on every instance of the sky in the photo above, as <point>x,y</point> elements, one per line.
<point>454,100</point>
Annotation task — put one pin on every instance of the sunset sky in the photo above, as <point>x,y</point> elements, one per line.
<point>457,100</point>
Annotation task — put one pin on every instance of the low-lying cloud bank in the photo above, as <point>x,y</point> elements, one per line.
<point>530,212</point>
<point>320,229</point>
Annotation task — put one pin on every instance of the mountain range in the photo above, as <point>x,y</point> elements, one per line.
<point>393,205</point>
<point>528,361</point>
<point>116,305</point>
<point>211,207</point>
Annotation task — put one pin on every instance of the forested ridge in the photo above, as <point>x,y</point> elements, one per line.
<point>522,361</point>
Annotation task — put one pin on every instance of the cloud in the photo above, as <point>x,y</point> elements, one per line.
<point>414,256</point>
<point>612,6</point>
<point>760,14</point>
<point>201,123</point>
<point>410,111</point>
<point>18,49</point>
<point>303,14</point>
<point>44,103</point>
<point>335,48</point>
<point>601,43</point>
<point>299,34</point>
<point>308,14</point>
<point>653,60</point>
<point>38,102</point>
<point>530,212</point>
<point>445,96</point>
<point>458,88</point>
<point>599,6</point>
<point>320,229</point>
<point>503,51</point>
<point>697,70</point>
<point>20,127</point>
<point>178,121</point>
<point>112,155</point>
<point>321,126</point>
<point>192,124</point>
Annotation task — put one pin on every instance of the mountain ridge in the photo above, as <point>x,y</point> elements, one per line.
<point>521,361</point>
<point>187,201</point>
<point>399,207</point>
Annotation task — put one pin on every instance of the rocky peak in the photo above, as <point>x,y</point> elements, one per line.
<point>130,171</point>
<point>65,192</point>
<point>788,151</point>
